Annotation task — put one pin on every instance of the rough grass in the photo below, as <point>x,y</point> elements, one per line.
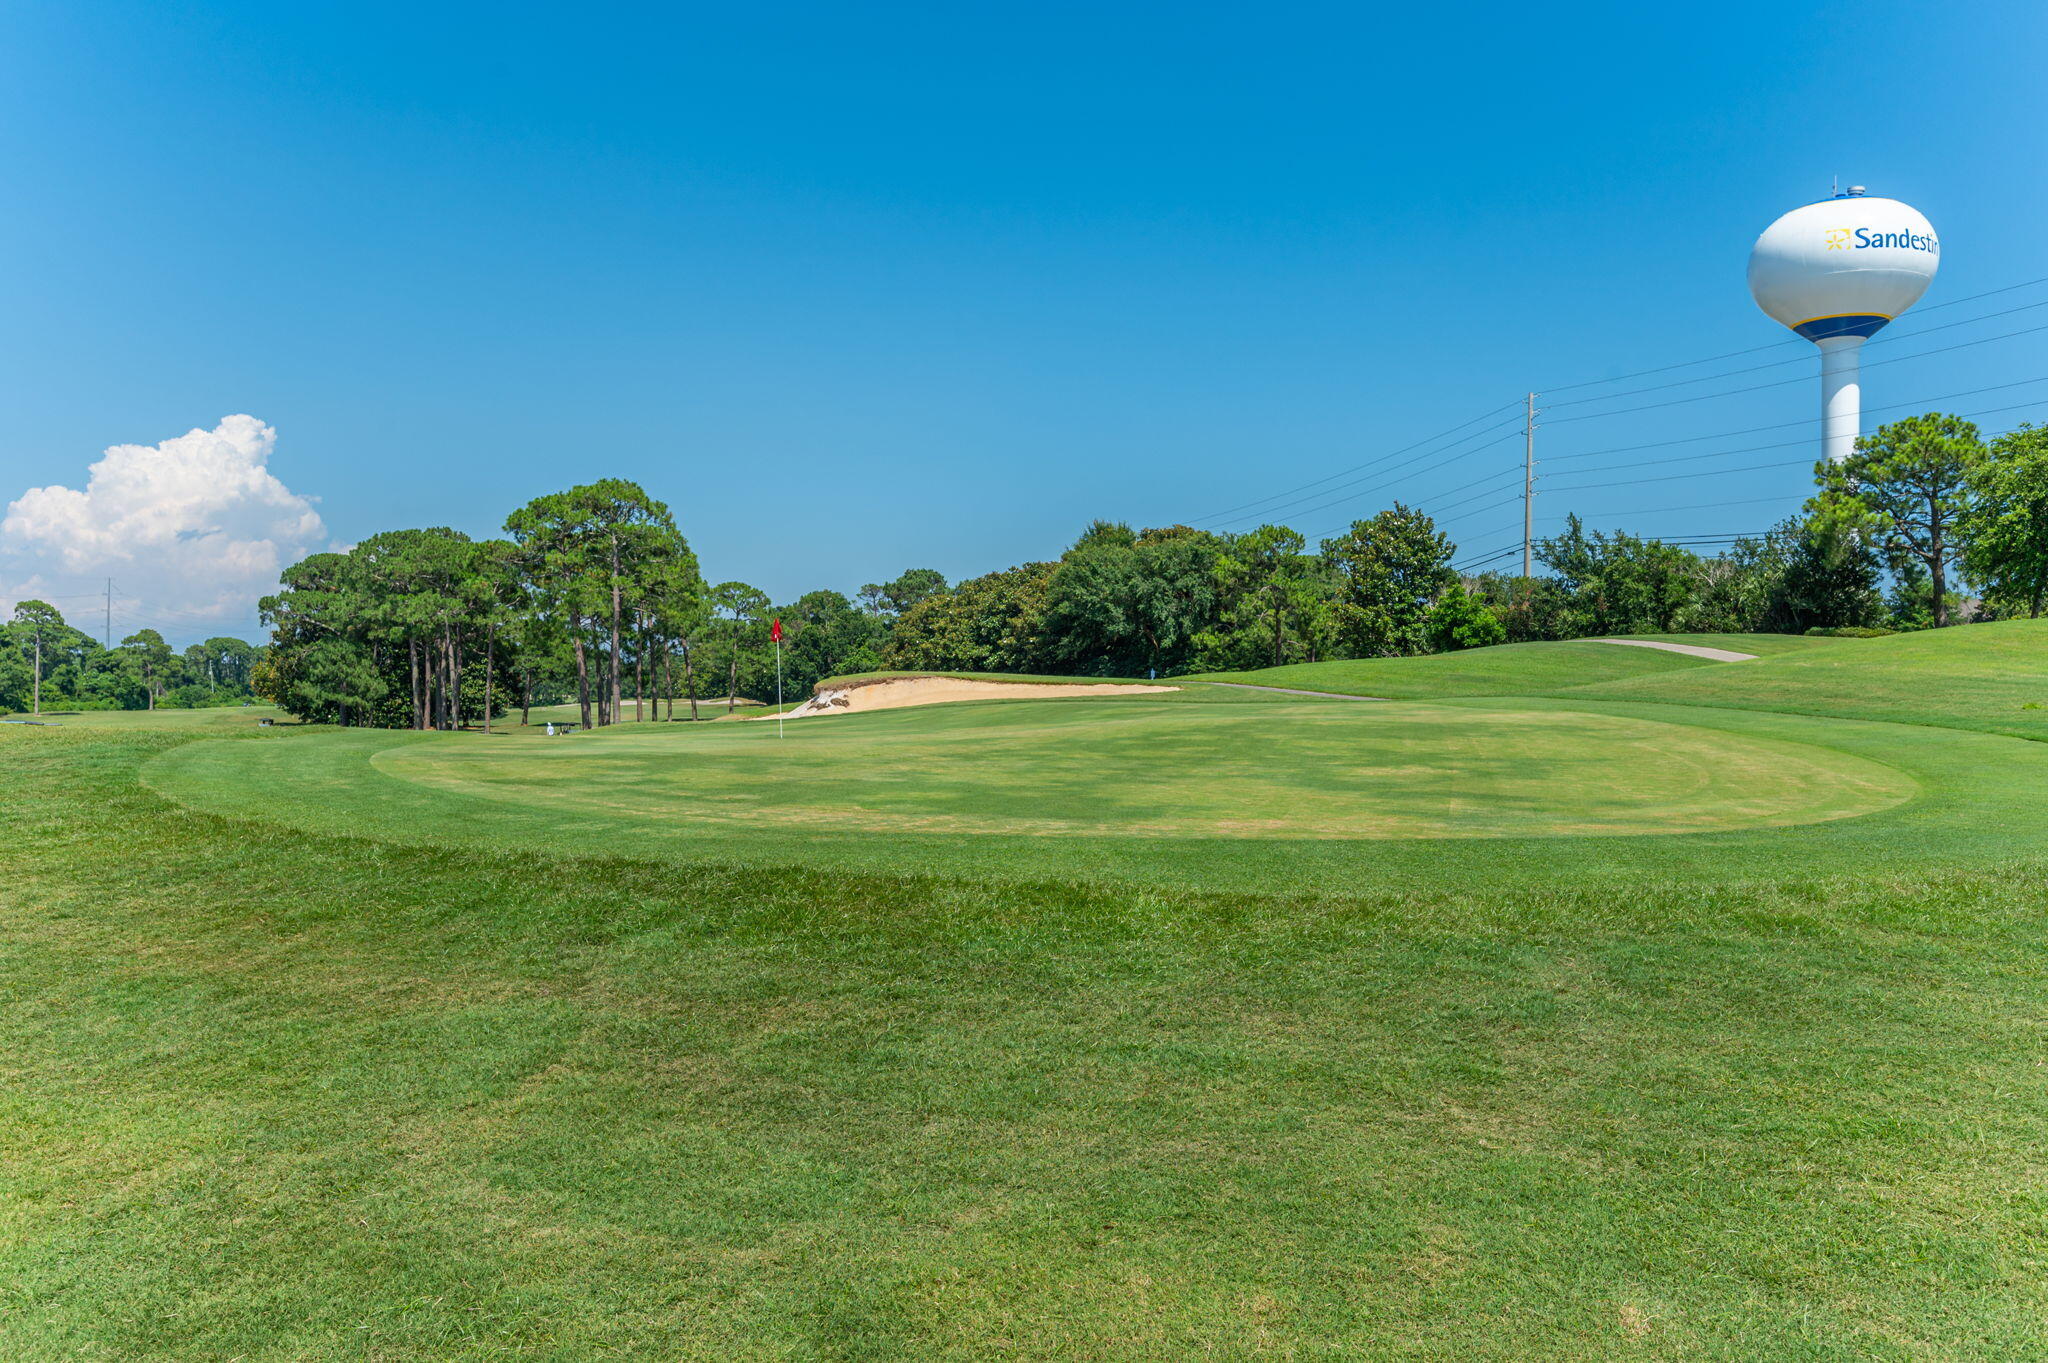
<point>274,1094</point>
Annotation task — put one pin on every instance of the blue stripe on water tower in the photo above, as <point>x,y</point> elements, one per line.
<point>1848,324</point>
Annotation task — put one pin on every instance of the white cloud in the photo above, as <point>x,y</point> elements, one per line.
<point>196,528</point>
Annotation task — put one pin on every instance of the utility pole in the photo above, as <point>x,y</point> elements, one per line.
<point>107,635</point>
<point>1529,488</point>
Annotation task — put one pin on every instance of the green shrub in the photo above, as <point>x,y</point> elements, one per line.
<point>1460,620</point>
<point>1849,632</point>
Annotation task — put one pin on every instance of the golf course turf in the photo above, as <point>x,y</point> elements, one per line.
<point>1689,1010</point>
<point>1516,669</point>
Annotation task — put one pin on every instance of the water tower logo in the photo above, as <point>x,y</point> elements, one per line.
<point>1838,238</point>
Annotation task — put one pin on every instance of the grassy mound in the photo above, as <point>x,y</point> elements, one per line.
<point>411,1047</point>
<point>1992,678</point>
<point>1510,669</point>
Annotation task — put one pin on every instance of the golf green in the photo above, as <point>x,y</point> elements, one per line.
<point>1196,790</point>
<point>1117,769</point>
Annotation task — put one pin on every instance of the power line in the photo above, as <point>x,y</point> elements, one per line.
<point>1675,477</point>
<point>1690,506</point>
<point>1799,378</point>
<point>1808,421</point>
<point>1470,564</point>
<point>1457,449</point>
<point>1679,541</point>
<point>1773,345</point>
<point>1447,455</point>
<point>1452,454</point>
<point>1370,463</point>
<point>1491,477</point>
<point>1721,537</point>
<point>1436,516</point>
<point>176,611</point>
<point>1785,444</point>
<point>1798,359</point>
<point>1508,549</point>
<point>1437,510</point>
<point>1706,473</point>
<point>1291,501</point>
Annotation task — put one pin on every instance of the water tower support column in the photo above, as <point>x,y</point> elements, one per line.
<point>1841,396</point>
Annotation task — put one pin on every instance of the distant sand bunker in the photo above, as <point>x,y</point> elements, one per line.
<point>894,693</point>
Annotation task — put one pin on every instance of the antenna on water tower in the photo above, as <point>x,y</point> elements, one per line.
<point>1835,272</point>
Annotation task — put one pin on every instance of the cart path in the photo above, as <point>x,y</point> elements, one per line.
<point>1719,655</point>
<point>1290,691</point>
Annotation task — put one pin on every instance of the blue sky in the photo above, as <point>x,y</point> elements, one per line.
<point>856,288</point>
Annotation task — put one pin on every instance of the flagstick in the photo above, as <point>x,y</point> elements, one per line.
<point>778,688</point>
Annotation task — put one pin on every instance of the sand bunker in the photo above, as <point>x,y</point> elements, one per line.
<point>894,693</point>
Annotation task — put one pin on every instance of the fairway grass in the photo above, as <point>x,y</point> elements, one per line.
<point>340,1045</point>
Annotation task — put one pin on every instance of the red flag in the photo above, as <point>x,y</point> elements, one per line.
<point>775,631</point>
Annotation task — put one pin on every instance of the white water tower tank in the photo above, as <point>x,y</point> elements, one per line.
<point>1835,272</point>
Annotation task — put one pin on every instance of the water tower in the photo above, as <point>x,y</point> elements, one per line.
<point>1836,271</point>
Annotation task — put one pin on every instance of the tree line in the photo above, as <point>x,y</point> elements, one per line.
<point>1925,505</point>
<point>45,664</point>
<point>593,596</point>
<point>428,629</point>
